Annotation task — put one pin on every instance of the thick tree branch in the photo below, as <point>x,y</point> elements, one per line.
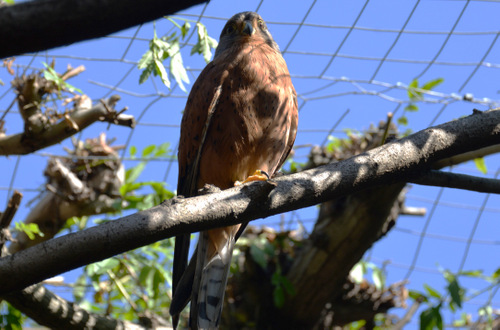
<point>398,161</point>
<point>23,143</point>
<point>458,181</point>
<point>42,24</point>
<point>53,311</point>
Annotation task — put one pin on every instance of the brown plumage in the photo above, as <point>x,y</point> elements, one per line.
<point>241,116</point>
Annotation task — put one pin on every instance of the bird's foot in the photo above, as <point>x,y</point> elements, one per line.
<point>258,175</point>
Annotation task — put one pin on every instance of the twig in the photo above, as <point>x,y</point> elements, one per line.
<point>387,126</point>
<point>409,314</point>
<point>11,209</point>
<point>6,218</point>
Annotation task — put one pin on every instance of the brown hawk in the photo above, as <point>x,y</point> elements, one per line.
<point>239,123</point>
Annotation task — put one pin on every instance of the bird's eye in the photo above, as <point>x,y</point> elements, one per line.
<point>262,25</point>
<point>230,29</point>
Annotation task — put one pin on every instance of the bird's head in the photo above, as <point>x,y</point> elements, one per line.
<point>242,28</point>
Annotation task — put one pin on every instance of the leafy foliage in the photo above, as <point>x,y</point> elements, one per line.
<point>51,75</point>
<point>454,297</point>
<point>10,318</point>
<point>169,47</point>
<point>129,189</point>
<point>267,253</point>
<point>30,229</point>
<point>137,283</point>
<point>416,94</point>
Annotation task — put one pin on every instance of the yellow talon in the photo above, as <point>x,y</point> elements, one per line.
<point>258,175</point>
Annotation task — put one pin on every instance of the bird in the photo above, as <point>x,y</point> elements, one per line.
<point>239,125</point>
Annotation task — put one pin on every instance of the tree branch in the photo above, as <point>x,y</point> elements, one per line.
<point>38,25</point>
<point>22,143</point>
<point>465,157</point>
<point>397,161</point>
<point>53,311</point>
<point>458,181</point>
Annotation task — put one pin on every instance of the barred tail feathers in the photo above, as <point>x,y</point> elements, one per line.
<point>212,282</point>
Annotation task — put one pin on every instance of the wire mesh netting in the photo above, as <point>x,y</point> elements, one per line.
<point>351,63</point>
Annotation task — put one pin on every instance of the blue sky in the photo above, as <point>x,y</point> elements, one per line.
<point>343,56</point>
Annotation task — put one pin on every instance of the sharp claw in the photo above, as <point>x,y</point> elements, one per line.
<point>264,172</point>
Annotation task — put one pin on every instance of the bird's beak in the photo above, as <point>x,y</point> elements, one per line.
<point>247,29</point>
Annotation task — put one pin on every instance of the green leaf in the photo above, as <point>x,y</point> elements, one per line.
<point>413,94</point>
<point>185,29</point>
<point>334,143</point>
<point>278,296</point>
<point>133,151</point>
<point>162,149</point>
<point>481,165</point>
<point>259,256</point>
<point>403,120</point>
<point>432,83</point>
<point>431,318</point>
<point>79,288</point>
<point>205,43</point>
<point>102,267</point>
<point>288,286</point>
<point>415,295</point>
<point>146,279</point>
<point>432,292</point>
<point>176,65</point>
<point>30,229</point>
<point>411,107</point>
<point>132,174</point>
<point>472,273</point>
<point>496,274</point>
<point>160,70</point>
<point>146,64</point>
<point>455,290</point>
<point>148,150</point>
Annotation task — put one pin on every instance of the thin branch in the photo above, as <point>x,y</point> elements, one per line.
<point>458,181</point>
<point>21,144</point>
<point>409,315</point>
<point>38,25</point>
<point>397,161</point>
<point>6,218</point>
<point>468,156</point>
<point>12,206</point>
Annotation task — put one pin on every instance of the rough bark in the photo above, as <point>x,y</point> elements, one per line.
<point>346,228</point>
<point>42,24</point>
<point>52,311</point>
<point>392,163</point>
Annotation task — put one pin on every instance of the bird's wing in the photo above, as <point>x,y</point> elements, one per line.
<point>195,123</point>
